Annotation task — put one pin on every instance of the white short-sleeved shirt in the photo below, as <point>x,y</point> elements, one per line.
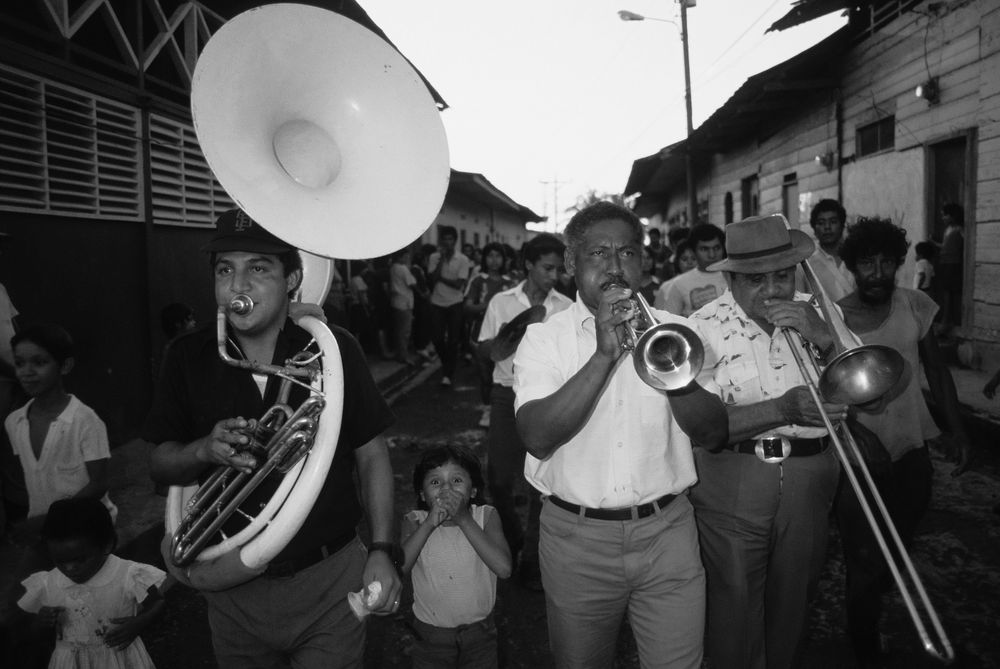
<point>688,292</point>
<point>457,267</point>
<point>401,284</point>
<point>75,437</point>
<point>832,273</point>
<point>503,307</point>
<point>744,365</point>
<point>630,450</point>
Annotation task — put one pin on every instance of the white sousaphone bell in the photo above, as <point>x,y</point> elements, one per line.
<point>325,135</point>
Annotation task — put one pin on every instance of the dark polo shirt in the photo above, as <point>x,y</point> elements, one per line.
<point>196,390</point>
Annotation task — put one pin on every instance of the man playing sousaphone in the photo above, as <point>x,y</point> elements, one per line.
<point>295,610</point>
<point>762,513</point>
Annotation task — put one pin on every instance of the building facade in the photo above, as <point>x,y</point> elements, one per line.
<point>894,115</point>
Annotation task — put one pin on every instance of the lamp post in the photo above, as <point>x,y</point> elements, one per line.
<point>626,15</point>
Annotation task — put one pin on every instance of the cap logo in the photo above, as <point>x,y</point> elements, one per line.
<point>243,222</point>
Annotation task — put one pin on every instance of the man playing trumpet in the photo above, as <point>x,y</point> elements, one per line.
<point>613,458</point>
<point>762,514</point>
<point>295,613</point>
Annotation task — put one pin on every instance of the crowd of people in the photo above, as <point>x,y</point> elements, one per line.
<point>697,506</point>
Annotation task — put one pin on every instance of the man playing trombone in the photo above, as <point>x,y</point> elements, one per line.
<point>762,501</point>
<point>612,456</point>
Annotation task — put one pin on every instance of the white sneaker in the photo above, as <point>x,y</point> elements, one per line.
<point>445,381</point>
<point>484,419</point>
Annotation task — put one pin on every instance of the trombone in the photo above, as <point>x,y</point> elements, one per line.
<point>857,375</point>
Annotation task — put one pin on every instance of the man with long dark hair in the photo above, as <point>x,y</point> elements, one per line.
<point>880,312</point>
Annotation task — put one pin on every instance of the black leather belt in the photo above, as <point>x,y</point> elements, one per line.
<point>625,513</point>
<point>800,447</point>
<point>291,566</point>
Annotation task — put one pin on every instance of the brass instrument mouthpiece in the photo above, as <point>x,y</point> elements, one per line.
<point>241,305</point>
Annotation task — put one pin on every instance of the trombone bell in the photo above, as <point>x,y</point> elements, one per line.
<point>861,375</point>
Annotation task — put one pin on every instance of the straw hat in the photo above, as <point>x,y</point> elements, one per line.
<point>762,244</point>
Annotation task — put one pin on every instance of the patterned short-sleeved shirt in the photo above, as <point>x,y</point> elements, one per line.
<point>743,364</point>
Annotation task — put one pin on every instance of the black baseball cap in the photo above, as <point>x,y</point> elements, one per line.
<point>236,231</point>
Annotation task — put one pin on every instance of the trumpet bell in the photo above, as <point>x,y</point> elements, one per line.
<point>861,375</point>
<point>320,130</point>
<point>668,356</point>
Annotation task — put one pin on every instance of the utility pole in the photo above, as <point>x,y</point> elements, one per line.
<point>692,193</point>
<point>555,183</point>
<point>626,15</point>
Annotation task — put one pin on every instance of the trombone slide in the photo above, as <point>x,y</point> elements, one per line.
<point>940,647</point>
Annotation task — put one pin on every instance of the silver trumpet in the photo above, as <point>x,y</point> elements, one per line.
<point>667,356</point>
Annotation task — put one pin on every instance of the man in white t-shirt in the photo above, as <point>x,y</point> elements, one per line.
<point>688,292</point>
<point>828,220</point>
<point>449,270</point>
<point>543,261</point>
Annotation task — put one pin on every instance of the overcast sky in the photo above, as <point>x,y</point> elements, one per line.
<point>551,98</point>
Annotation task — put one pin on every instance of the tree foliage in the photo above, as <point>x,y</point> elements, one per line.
<point>592,196</point>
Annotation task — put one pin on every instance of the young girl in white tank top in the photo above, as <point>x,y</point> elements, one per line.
<point>455,550</point>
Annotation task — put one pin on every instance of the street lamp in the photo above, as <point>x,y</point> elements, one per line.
<point>626,15</point>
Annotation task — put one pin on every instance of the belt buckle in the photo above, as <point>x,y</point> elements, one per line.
<point>772,448</point>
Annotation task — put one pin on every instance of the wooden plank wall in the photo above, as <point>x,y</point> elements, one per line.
<point>960,44</point>
<point>986,286</point>
<point>792,149</point>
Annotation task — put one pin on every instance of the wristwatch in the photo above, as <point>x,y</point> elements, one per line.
<point>393,550</point>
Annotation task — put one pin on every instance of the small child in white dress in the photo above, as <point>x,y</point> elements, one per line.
<point>455,550</point>
<point>96,602</point>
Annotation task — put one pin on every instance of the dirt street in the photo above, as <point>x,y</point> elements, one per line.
<point>956,552</point>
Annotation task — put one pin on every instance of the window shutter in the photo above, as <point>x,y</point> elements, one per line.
<point>184,190</point>
<point>66,151</point>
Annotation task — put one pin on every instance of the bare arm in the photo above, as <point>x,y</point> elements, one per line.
<point>701,415</point>
<point>455,283</point>
<point>177,463</point>
<point>795,407</point>
<point>97,471</point>
<point>129,627</point>
<point>375,475</point>
<point>942,388</point>
<point>489,544</point>
<point>416,535</point>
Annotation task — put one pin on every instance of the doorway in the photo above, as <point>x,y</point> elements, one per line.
<point>949,167</point>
